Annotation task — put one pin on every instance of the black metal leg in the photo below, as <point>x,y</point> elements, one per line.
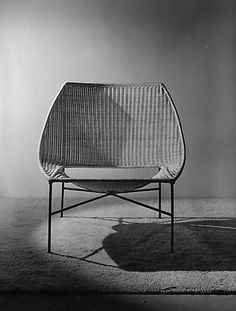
<point>49,217</point>
<point>172,218</point>
<point>159,200</point>
<point>62,198</point>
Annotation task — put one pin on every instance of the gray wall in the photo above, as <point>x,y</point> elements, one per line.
<point>187,44</point>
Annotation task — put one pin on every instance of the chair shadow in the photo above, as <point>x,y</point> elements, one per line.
<point>207,245</point>
<point>203,245</point>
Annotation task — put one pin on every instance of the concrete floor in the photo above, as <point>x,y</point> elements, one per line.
<point>105,302</point>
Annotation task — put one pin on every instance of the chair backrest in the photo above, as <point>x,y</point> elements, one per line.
<point>104,125</point>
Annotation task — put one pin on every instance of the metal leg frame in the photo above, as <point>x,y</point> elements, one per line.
<point>159,201</point>
<point>62,208</point>
<point>172,218</point>
<point>62,198</point>
<point>50,217</point>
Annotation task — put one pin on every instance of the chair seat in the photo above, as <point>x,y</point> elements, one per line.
<point>104,186</point>
<point>117,183</point>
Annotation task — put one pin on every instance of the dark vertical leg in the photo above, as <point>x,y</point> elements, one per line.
<point>49,217</point>
<point>159,199</point>
<point>62,198</point>
<point>172,218</point>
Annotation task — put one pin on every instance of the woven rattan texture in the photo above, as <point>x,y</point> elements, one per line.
<point>100,125</point>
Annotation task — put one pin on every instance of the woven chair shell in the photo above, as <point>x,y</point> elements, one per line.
<point>112,126</point>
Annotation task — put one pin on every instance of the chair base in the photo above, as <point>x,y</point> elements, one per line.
<point>117,195</point>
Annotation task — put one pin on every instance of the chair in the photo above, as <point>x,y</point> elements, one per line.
<point>116,126</point>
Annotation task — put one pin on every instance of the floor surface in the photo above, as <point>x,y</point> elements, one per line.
<point>117,302</point>
<point>18,212</point>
